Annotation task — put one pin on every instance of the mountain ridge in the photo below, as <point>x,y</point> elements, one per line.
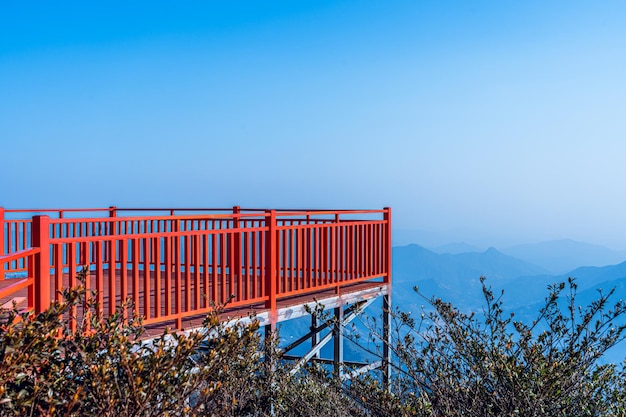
<point>563,255</point>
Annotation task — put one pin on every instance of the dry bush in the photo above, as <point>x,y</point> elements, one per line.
<point>451,363</point>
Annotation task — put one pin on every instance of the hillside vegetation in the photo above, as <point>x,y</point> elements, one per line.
<point>446,363</point>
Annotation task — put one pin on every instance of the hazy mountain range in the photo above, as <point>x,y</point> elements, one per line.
<point>454,277</point>
<point>556,256</point>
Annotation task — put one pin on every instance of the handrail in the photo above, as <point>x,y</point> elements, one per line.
<point>170,208</point>
<point>19,254</point>
<point>55,210</point>
<point>18,285</point>
<point>151,218</point>
<point>283,212</point>
<point>15,287</point>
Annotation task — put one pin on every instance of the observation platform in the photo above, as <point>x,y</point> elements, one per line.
<point>176,265</point>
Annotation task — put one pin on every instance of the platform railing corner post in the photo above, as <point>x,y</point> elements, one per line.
<point>41,239</point>
<point>112,211</point>
<point>271,270</point>
<point>387,245</point>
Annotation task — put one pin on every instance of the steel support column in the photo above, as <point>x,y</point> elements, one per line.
<point>338,339</point>
<point>315,337</point>
<point>387,340</point>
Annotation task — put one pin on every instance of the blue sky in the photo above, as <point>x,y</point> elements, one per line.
<point>499,121</point>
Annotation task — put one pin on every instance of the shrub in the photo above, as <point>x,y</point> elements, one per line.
<point>451,363</point>
<point>103,369</point>
<point>447,363</point>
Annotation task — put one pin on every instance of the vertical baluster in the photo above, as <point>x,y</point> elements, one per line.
<point>99,271</point>
<point>256,291</point>
<point>196,271</point>
<point>332,254</point>
<point>222,266</point>
<point>205,268</point>
<point>58,271</point>
<point>177,276</point>
<point>112,275</point>
<point>187,261</point>
<point>147,277</point>
<point>71,255</point>
<point>167,271</point>
<point>135,262</point>
<point>123,271</point>
<point>156,257</point>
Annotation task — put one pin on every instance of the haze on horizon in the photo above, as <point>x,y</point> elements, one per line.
<point>484,120</point>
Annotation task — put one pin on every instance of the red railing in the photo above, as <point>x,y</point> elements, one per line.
<point>25,285</point>
<point>185,262</point>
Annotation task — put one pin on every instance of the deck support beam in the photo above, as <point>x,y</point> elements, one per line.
<point>363,369</point>
<point>341,320</point>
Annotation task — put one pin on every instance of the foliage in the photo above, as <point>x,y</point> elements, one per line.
<point>102,368</point>
<point>447,363</point>
<point>451,363</point>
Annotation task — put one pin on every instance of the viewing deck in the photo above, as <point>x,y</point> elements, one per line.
<point>176,265</point>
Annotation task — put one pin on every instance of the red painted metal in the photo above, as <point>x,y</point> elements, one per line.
<point>23,285</point>
<point>177,263</point>
<point>2,235</point>
<point>271,265</point>
<point>41,240</point>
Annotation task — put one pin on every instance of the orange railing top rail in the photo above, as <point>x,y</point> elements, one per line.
<point>91,209</point>
<point>19,254</point>
<point>218,212</point>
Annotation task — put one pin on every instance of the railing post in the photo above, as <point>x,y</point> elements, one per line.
<point>271,272</point>
<point>41,239</point>
<point>387,245</point>
<point>110,230</point>
<point>2,242</point>
<point>334,245</point>
<point>236,245</point>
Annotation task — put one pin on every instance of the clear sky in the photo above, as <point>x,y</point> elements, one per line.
<point>482,119</point>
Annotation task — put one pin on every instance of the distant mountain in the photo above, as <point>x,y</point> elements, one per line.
<point>456,248</point>
<point>453,277</point>
<point>533,289</point>
<point>416,262</point>
<point>560,256</point>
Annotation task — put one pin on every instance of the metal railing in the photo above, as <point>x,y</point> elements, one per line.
<point>177,263</point>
